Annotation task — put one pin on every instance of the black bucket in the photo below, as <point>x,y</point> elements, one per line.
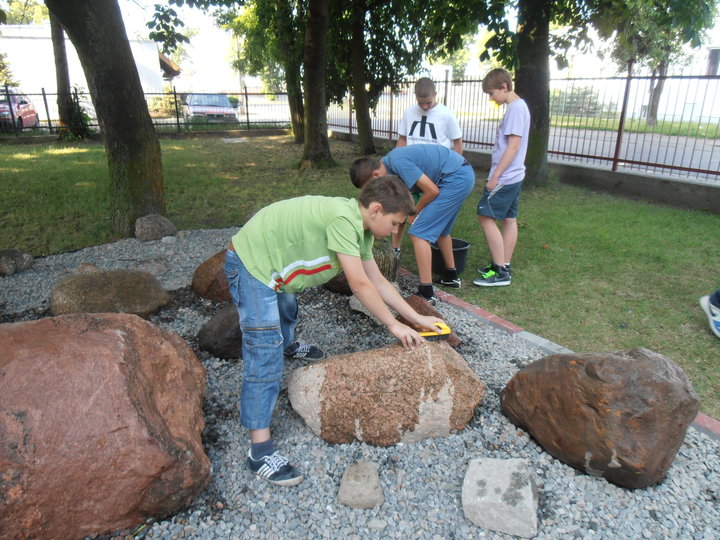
<point>460,249</point>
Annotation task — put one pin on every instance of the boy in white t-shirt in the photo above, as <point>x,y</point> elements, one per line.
<point>429,122</point>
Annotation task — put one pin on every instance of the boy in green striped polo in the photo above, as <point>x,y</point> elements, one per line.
<point>285,248</point>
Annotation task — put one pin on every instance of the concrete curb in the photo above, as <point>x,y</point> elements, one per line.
<point>707,425</point>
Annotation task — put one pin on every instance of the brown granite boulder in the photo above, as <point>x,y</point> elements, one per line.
<point>387,262</point>
<point>621,416</point>
<point>423,307</point>
<point>109,291</point>
<point>100,424</point>
<point>209,279</point>
<point>221,336</point>
<point>386,396</point>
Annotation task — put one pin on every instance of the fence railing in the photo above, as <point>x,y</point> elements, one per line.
<point>653,125</point>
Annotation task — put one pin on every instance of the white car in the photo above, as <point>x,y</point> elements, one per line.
<point>207,108</point>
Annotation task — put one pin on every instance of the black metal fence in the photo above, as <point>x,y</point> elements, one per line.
<point>668,126</point>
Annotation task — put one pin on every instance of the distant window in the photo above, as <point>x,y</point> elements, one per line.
<point>713,61</point>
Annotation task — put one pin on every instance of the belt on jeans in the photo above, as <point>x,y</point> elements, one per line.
<point>231,248</point>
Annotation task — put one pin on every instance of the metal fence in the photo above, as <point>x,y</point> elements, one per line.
<point>603,122</point>
<point>668,126</point>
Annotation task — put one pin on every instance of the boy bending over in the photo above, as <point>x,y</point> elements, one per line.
<point>283,249</point>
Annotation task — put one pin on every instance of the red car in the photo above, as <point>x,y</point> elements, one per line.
<point>23,111</point>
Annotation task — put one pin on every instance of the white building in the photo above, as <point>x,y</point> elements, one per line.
<point>29,53</point>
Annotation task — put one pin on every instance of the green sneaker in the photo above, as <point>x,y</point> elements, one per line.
<point>496,276</point>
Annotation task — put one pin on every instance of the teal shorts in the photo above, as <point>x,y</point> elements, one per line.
<point>500,203</point>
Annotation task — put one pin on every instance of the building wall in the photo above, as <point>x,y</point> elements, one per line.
<point>30,56</point>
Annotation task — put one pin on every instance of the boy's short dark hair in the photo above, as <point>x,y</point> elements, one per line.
<point>361,170</point>
<point>391,192</point>
<point>495,79</point>
<point>424,87</point>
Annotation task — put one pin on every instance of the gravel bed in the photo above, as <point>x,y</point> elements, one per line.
<point>422,481</point>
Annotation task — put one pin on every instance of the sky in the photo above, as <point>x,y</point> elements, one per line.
<point>207,68</point>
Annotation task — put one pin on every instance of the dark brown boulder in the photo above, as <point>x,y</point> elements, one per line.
<point>621,416</point>
<point>109,291</point>
<point>423,307</point>
<point>209,279</point>
<point>100,424</point>
<point>221,336</point>
<point>386,396</point>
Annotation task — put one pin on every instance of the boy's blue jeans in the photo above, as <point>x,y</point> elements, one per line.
<point>267,321</point>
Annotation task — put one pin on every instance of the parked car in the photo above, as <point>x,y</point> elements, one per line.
<point>208,108</point>
<point>23,111</point>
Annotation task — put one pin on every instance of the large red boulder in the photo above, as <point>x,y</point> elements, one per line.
<point>386,396</point>
<point>621,416</point>
<point>100,424</point>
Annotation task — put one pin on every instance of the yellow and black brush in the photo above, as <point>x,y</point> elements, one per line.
<point>432,335</point>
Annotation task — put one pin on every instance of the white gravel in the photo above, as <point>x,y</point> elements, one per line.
<point>422,481</point>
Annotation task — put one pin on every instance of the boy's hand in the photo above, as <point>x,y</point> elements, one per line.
<point>428,322</point>
<point>408,337</point>
<point>491,184</point>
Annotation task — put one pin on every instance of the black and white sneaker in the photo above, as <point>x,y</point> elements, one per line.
<point>275,468</point>
<point>303,351</point>
<point>444,282</point>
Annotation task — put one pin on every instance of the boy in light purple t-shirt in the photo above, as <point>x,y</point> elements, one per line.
<point>502,192</point>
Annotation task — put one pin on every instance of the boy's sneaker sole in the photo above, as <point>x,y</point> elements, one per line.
<point>488,283</point>
<point>453,284</point>
<point>713,314</point>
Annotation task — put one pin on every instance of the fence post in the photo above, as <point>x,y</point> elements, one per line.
<point>47,111</point>
<point>12,113</point>
<point>177,110</point>
<point>623,112</point>
<point>390,121</point>
<point>447,81</point>
<point>350,126</point>
<point>247,106</point>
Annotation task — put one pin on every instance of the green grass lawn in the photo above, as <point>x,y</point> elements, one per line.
<point>591,272</point>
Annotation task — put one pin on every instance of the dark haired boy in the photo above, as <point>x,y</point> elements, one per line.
<point>284,248</point>
<point>445,180</point>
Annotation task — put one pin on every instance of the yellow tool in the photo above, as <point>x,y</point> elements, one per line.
<point>432,335</point>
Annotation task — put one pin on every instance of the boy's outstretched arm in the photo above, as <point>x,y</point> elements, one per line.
<point>372,291</point>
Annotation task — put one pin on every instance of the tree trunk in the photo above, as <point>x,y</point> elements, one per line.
<point>291,66</point>
<point>358,59</point>
<point>533,82</point>
<point>97,30</point>
<point>655,94</point>
<point>317,146</point>
<point>62,74</point>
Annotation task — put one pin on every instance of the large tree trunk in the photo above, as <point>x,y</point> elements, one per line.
<point>62,74</point>
<point>317,146</point>
<point>358,59</point>
<point>655,93</point>
<point>533,82</point>
<point>291,66</point>
<point>97,30</point>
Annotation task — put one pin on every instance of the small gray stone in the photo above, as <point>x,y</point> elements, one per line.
<point>14,260</point>
<point>360,486</point>
<point>500,494</point>
<point>153,227</point>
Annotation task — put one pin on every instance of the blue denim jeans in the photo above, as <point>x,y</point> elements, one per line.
<point>267,322</point>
